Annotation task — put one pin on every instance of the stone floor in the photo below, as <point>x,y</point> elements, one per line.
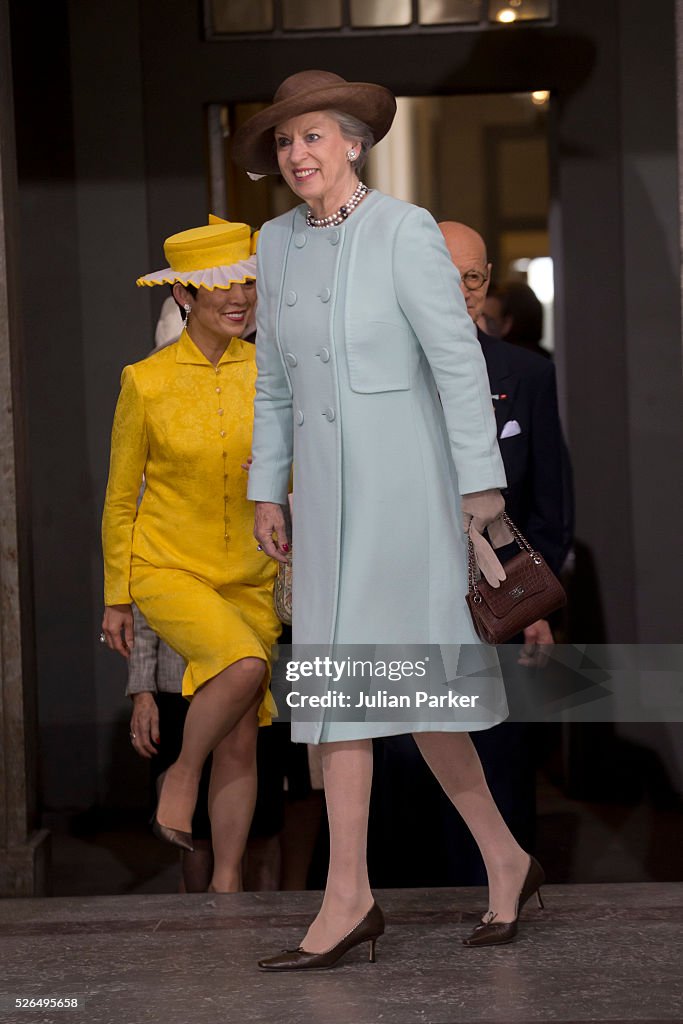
<point>597,953</point>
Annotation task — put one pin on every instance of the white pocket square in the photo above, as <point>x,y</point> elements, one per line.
<point>510,429</point>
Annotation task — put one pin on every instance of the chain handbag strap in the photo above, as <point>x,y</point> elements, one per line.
<point>472,564</point>
<point>472,572</point>
<point>521,539</point>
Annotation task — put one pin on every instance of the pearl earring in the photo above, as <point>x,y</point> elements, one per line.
<point>351,155</point>
<point>188,309</point>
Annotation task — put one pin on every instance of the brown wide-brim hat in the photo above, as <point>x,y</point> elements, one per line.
<point>253,145</point>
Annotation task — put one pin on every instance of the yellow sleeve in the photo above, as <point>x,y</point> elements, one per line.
<point>129,448</point>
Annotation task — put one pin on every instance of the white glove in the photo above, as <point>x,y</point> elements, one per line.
<point>483,510</point>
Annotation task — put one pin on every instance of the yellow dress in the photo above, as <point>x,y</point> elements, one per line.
<point>187,555</point>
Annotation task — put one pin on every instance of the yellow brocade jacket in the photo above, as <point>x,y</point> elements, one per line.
<point>187,426</point>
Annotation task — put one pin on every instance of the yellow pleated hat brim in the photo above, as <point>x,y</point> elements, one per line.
<point>216,255</point>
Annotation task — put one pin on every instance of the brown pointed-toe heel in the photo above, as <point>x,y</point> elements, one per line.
<point>368,929</point>
<point>494,933</point>
<point>172,835</point>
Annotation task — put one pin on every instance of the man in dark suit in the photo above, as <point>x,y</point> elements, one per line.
<point>538,500</point>
<point>524,395</point>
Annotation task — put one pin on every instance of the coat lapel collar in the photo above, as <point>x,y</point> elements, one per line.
<point>504,381</point>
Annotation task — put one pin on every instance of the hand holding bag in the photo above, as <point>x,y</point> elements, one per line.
<point>531,591</point>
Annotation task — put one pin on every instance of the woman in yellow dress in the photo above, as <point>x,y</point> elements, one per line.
<point>187,556</point>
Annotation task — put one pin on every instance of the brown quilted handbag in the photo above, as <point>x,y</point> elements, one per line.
<point>530,592</point>
<point>282,592</point>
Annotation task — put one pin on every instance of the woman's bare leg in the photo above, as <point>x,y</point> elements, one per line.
<point>454,761</point>
<point>214,711</point>
<point>232,795</point>
<point>347,773</point>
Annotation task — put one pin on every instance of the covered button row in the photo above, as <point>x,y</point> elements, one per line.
<point>328,413</point>
<point>291,298</point>
<point>301,238</point>
<point>323,355</point>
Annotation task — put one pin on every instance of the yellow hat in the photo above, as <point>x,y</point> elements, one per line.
<point>216,255</point>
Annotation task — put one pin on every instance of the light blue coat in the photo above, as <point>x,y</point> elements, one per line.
<point>372,381</point>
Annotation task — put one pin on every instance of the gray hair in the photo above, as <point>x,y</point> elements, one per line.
<point>352,128</point>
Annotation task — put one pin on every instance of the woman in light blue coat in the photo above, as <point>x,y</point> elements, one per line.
<point>372,383</point>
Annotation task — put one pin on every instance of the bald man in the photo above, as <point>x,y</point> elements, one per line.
<point>468,253</point>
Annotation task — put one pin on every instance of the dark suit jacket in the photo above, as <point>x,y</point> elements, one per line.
<point>539,496</point>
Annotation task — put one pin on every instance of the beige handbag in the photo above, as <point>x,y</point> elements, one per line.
<point>282,592</point>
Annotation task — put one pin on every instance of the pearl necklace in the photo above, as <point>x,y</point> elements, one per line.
<point>342,213</point>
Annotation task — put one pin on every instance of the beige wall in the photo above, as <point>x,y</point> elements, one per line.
<point>479,159</point>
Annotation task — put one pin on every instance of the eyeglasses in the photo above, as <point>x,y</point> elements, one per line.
<point>474,279</point>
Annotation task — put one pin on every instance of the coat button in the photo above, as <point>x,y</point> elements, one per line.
<point>299,417</point>
<point>324,355</point>
<point>334,238</point>
<point>290,298</point>
<point>329,414</point>
<point>325,295</point>
<point>300,240</point>
<point>291,358</point>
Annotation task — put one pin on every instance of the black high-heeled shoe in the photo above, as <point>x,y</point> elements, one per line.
<point>368,929</point>
<point>174,836</point>
<point>491,932</point>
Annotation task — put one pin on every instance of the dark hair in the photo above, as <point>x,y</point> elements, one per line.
<point>520,303</point>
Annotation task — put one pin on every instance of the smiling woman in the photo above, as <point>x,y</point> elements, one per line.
<point>186,555</point>
<point>318,155</point>
<point>219,314</point>
<point>372,387</point>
